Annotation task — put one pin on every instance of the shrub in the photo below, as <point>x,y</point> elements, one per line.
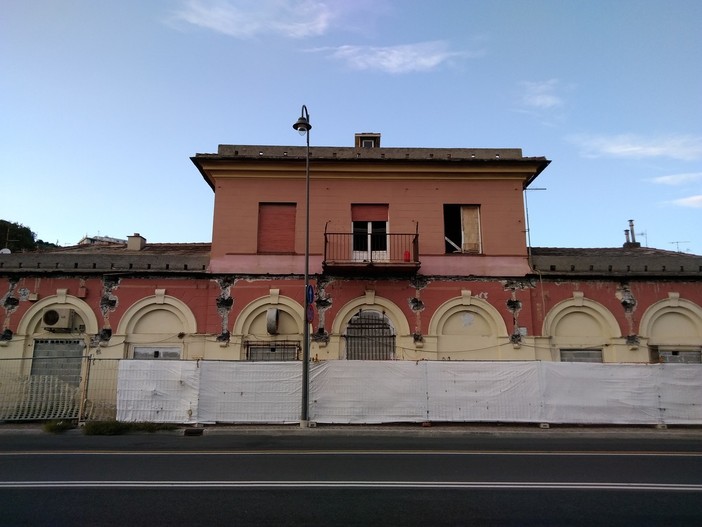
<point>58,427</point>
<point>111,428</point>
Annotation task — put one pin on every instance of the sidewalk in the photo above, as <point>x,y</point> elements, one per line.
<point>434,430</point>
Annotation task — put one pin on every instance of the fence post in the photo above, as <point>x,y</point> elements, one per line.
<point>84,391</point>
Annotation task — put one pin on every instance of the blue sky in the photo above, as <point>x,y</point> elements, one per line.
<point>103,103</point>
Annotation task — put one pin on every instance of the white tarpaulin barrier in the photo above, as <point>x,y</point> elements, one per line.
<point>483,391</point>
<point>576,392</point>
<point>158,391</point>
<point>250,392</point>
<point>368,392</point>
<point>404,391</point>
<point>680,393</point>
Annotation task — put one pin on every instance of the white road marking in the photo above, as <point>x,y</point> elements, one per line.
<point>503,485</point>
<point>530,453</point>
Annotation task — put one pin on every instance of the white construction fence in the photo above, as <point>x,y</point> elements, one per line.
<point>360,392</point>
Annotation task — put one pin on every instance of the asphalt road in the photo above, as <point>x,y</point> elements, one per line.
<point>323,478</point>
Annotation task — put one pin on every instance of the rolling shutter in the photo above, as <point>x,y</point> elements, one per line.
<point>276,227</point>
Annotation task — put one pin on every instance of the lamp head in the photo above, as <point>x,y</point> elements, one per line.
<point>302,125</point>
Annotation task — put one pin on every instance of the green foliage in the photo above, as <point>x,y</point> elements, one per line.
<point>17,238</point>
<point>111,428</point>
<point>58,427</point>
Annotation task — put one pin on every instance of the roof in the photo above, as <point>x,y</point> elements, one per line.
<point>337,154</point>
<point>193,258</point>
<point>629,261</point>
<point>154,258</point>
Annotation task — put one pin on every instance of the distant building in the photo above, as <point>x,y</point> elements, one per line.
<point>94,240</point>
<point>416,253</point>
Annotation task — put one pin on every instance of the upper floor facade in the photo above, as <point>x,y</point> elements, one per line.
<point>372,210</point>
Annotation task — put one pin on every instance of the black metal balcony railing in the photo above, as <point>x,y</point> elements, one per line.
<point>379,250</point>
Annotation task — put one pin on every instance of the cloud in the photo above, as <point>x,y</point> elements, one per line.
<point>541,95</point>
<point>250,18</point>
<point>691,201</point>
<point>406,58</point>
<point>678,179</point>
<point>681,147</point>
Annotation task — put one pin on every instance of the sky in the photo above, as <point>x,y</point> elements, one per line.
<point>102,104</point>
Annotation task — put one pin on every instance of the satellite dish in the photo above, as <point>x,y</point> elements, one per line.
<point>5,251</point>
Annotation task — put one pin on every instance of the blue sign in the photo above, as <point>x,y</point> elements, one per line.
<point>310,294</point>
<point>310,313</point>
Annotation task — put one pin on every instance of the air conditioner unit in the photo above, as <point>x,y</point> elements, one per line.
<point>58,318</point>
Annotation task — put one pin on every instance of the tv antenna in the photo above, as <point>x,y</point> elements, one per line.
<point>677,244</point>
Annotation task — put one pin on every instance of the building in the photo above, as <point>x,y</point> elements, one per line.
<point>415,253</point>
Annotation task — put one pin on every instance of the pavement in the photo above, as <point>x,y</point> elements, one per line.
<point>403,429</point>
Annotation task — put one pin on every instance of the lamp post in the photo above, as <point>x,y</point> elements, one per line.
<point>303,126</point>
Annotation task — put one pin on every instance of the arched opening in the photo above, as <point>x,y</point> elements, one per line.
<point>369,336</point>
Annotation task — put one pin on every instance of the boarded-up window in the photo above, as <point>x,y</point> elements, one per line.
<point>58,358</point>
<point>462,228</point>
<point>581,355</point>
<point>276,227</point>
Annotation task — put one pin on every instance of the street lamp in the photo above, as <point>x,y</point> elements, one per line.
<point>303,126</point>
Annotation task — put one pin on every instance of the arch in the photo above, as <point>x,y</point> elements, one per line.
<point>580,317</point>
<point>166,312</point>
<point>455,312</point>
<point>393,313</point>
<point>254,316</point>
<point>30,321</point>
<point>672,321</point>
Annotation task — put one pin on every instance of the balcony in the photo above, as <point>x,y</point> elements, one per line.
<point>377,253</point>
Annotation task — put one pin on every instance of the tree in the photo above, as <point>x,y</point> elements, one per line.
<point>17,237</point>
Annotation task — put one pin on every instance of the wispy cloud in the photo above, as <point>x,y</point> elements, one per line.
<point>251,18</point>
<point>690,201</point>
<point>541,95</point>
<point>406,58</point>
<point>678,179</point>
<point>681,147</point>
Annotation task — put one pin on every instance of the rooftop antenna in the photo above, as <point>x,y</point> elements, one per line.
<point>526,210</point>
<point>677,244</point>
<point>645,235</point>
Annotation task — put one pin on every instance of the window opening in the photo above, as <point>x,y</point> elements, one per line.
<point>273,350</point>
<point>370,336</point>
<point>276,228</point>
<point>676,355</point>
<point>370,232</point>
<point>581,355</point>
<point>157,352</point>
<point>462,229</point>
<point>58,358</point>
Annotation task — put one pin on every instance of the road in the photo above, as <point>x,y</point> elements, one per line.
<point>321,478</point>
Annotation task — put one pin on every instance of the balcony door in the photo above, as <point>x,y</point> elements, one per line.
<point>370,232</point>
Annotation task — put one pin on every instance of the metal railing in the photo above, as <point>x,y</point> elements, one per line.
<point>381,248</point>
<point>59,394</point>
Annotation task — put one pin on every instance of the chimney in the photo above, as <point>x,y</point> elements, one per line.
<point>367,140</point>
<point>136,242</point>
<point>630,244</point>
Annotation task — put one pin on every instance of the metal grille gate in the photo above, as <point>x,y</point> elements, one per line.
<point>369,336</point>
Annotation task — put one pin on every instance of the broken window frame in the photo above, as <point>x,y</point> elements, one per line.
<point>462,220</point>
